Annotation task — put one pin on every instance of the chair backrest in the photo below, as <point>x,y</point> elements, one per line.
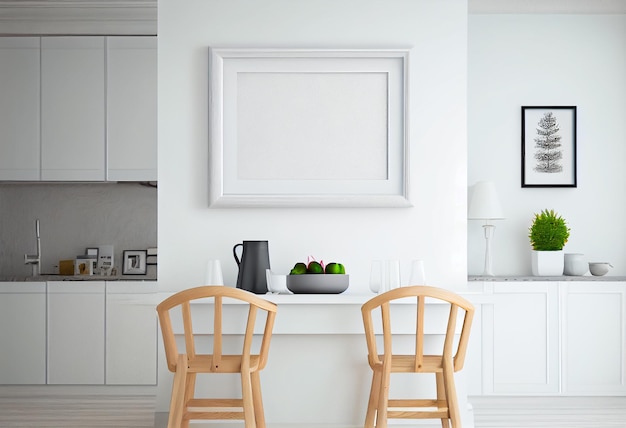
<point>217,294</point>
<point>455,303</point>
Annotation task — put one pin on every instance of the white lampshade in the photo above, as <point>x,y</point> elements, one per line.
<point>484,203</point>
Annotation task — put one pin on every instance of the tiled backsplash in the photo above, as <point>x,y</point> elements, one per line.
<point>73,216</point>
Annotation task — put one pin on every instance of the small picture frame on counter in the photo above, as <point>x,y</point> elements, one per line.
<point>84,266</point>
<point>134,262</point>
<point>92,253</point>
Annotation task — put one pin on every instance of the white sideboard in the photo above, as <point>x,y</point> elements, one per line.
<point>551,337</point>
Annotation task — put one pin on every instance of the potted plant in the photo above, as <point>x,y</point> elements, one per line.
<point>548,234</point>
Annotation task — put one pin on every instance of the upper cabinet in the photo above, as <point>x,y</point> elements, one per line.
<point>132,108</point>
<point>78,108</point>
<point>19,107</point>
<point>72,109</point>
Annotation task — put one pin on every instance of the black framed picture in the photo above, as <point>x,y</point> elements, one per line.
<point>549,146</point>
<point>134,262</point>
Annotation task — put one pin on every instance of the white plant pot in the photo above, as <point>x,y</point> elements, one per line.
<point>547,263</point>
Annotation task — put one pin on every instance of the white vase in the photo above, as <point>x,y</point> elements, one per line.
<point>575,264</point>
<point>547,263</point>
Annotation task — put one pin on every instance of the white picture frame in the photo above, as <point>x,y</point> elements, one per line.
<point>308,128</point>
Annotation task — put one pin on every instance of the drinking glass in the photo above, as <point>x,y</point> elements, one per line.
<point>214,273</point>
<point>418,277</point>
<point>385,275</point>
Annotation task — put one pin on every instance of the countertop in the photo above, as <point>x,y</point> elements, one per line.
<point>585,278</point>
<point>46,278</point>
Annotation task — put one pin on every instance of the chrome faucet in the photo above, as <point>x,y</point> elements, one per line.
<point>35,259</point>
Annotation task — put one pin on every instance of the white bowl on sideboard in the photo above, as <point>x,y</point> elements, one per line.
<point>599,268</point>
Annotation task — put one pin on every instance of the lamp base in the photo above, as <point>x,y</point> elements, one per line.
<point>489,230</point>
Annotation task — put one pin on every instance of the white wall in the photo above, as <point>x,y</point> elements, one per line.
<point>434,229</point>
<point>535,60</point>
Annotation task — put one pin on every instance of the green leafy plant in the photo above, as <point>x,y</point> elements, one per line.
<point>549,231</point>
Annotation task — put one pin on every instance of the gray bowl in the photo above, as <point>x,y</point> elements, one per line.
<point>320,283</point>
<point>599,269</point>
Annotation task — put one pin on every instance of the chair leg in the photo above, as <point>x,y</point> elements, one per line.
<point>257,399</point>
<point>248,402</point>
<point>450,388</point>
<point>383,398</point>
<point>372,404</point>
<point>177,401</point>
<point>441,395</point>
<point>190,390</point>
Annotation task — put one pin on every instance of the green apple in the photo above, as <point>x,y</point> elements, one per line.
<point>298,269</point>
<point>315,267</point>
<point>335,268</point>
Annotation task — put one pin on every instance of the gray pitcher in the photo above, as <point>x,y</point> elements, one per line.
<point>255,259</point>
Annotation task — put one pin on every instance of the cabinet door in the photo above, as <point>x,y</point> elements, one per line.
<point>23,333</point>
<point>19,104</point>
<point>76,333</point>
<point>72,108</point>
<point>132,108</point>
<point>131,334</point>
<point>594,338</point>
<point>522,329</point>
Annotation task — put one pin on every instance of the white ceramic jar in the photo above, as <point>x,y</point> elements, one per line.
<point>575,264</point>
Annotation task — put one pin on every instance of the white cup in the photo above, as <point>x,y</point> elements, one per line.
<point>385,275</point>
<point>418,277</point>
<point>213,274</point>
<point>276,283</point>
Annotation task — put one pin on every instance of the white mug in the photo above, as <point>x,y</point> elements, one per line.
<point>276,283</point>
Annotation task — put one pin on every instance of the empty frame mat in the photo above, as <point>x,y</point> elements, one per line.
<point>308,127</point>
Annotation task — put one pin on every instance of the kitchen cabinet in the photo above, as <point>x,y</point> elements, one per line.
<point>553,338</point>
<point>78,108</point>
<point>593,338</point>
<point>522,327</point>
<point>131,334</point>
<point>72,109</point>
<point>76,313</point>
<point>23,333</point>
<point>19,104</point>
<point>132,108</point>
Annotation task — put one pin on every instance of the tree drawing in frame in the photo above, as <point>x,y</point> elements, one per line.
<point>549,146</point>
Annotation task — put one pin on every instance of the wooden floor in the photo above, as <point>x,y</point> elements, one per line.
<point>549,412</point>
<point>68,410</point>
<point>85,411</point>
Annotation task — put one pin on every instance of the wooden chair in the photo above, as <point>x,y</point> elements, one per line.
<point>183,405</point>
<point>445,407</point>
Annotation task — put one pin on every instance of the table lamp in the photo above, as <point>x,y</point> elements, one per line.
<point>485,205</point>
